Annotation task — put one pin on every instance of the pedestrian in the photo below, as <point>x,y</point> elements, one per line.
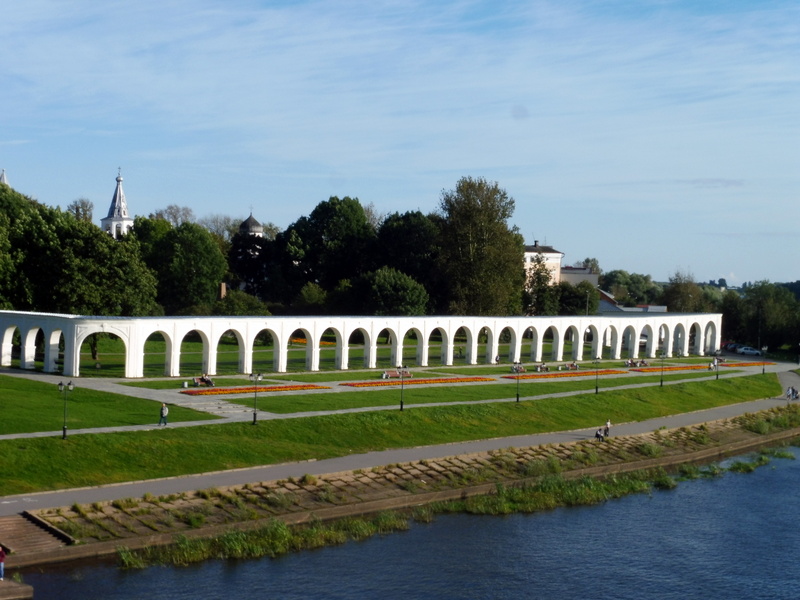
<point>599,434</point>
<point>608,428</point>
<point>2,563</point>
<point>164,413</point>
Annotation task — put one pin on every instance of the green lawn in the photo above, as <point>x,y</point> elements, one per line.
<point>51,463</point>
<point>29,406</point>
<point>387,396</point>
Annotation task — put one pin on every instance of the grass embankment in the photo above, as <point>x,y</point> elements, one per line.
<point>29,406</point>
<point>51,463</point>
<point>552,490</point>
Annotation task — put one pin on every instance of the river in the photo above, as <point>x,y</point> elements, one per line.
<point>735,536</point>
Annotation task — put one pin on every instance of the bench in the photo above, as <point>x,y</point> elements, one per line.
<point>395,373</point>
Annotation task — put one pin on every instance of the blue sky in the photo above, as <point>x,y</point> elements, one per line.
<point>656,136</point>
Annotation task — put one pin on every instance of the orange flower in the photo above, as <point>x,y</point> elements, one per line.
<point>557,374</point>
<point>394,382</point>
<point>252,389</point>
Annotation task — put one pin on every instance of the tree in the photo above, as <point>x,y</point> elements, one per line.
<point>175,215</point>
<point>589,263</point>
<point>333,243</point>
<point>481,256</point>
<point>191,269</point>
<point>540,296</point>
<point>81,209</point>
<point>391,292</point>
<point>771,315</point>
<point>682,294</point>
<point>409,243</point>
<point>83,270</point>
<point>630,289</point>
<point>238,303</point>
<point>579,299</point>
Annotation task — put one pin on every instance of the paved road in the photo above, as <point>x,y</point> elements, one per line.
<point>15,504</point>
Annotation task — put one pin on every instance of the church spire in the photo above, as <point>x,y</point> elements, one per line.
<point>3,178</point>
<point>118,222</point>
<point>119,207</point>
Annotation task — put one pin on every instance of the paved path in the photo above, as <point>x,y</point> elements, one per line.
<point>15,504</point>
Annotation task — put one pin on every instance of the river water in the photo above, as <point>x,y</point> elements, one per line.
<point>736,536</point>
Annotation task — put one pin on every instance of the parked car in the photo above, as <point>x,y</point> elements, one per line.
<point>748,350</point>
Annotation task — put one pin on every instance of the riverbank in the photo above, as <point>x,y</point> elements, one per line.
<point>99,529</point>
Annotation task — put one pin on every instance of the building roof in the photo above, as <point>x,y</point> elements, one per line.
<point>251,225</point>
<point>119,207</point>
<point>537,249</point>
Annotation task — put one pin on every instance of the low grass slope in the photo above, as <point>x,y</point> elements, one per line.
<point>37,464</point>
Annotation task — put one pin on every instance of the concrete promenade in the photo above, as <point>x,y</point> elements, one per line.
<point>15,504</point>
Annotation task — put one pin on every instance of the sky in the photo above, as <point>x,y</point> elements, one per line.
<point>657,136</point>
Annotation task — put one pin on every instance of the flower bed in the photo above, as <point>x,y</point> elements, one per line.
<point>747,364</point>
<point>391,382</point>
<point>252,389</point>
<point>659,369</point>
<point>557,374</point>
<point>304,341</point>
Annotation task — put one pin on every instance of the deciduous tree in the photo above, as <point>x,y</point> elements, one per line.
<point>481,255</point>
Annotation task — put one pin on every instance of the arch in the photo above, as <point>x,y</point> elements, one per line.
<point>103,352</point>
<point>575,340</point>
<point>552,340</point>
<point>680,346</point>
<point>331,355</point>
<point>194,349</point>
<point>711,338</point>
<point>360,342</point>
<point>264,353</point>
<point>508,344</point>
<point>157,354</point>
<point>229,353</point>
<point>696,339</point>
<point>200,341</point>
<point>630,342</point>
<point>592,339</point>
<point>462,345</point>
<point>439,345</point>
<point>648,336</point>
<point>11,334</point>
<point>300,351</point>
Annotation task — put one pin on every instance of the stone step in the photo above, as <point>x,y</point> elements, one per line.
<point>25,537</point>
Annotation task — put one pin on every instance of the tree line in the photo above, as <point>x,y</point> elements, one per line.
<point>343,258</point>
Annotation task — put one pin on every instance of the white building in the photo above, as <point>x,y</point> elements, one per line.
<point>118,222</point>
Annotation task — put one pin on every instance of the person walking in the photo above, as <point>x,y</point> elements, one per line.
<point>2,563</point>
<point>164,413</point>
<point>608,428</point>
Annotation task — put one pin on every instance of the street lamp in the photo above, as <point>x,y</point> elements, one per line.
<point>518,377</point>
<point>663,356</point>
<point>65,388</point>
<point>596,375</point>
<point>402,385</point>
<point>255,378</point>
<point>716,365</point>
<point>763,356</point>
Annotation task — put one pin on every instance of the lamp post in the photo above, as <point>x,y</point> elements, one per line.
<point>716,366</point>
<point>663,356</point>
<point>518,376</point>
<point>596,375</point>
<point>255,378</point>
<point>65,388</point>
<point>763,356</point>
<point>402,385</point>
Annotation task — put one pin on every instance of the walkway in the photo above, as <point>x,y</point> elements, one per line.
<point>15,504</point>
